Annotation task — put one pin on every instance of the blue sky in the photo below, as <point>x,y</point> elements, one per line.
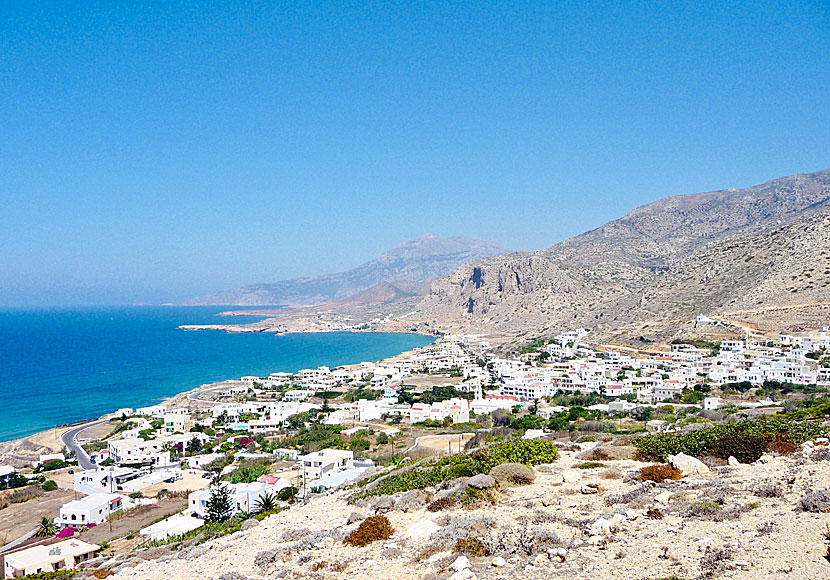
<point>154,151</point>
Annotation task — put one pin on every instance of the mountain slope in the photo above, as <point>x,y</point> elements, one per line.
<point>641,268</point>
<point>415,261</point>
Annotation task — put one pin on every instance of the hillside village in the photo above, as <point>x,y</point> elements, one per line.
<point>270,443</point>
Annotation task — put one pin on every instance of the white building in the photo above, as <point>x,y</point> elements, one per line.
<point>458,409</point>
<point>64,555</point>
<point>152,411</point>
<point>176,525</point>
<point>154,451</point>
<point>244,496</point>
<point>326,462</point>
<point>711,403</point>
<point>297,395</point>
<point>92,509</point>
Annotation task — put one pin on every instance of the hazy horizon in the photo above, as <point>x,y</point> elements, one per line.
<point>156,153</point>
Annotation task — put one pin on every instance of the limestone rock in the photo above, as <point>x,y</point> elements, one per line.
<point>687,464</point>
<point>481,481</point>
<point>421,530</point>
<point>460,563</point>
<point>249,524</point>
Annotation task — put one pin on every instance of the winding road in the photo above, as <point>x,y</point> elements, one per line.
<point>70,439</point>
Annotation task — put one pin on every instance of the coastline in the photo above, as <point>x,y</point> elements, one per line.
<point>21,451</point>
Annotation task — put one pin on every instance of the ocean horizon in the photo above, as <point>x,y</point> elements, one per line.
<point>63,365</point>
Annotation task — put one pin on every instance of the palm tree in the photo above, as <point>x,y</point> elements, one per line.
<point>47,528</point>
<point>267,503</point>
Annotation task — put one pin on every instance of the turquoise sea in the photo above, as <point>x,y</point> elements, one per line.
<point>64,365</point>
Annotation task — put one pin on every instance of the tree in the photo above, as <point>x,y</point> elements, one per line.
<point>220,504</point>
<point>267,503</point>
<point>287,494</point>
<point>46,529</point>
<point>194,446</point>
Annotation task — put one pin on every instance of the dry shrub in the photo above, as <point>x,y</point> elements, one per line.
<point>370,530</point>
<point>816,502</point>
<point>514,473</point>
<point>637,494</point>
<point>821,453</point>
<point>102,573</point>
<point>768,489</point>
<point>440,504</point>
<point>654,514</point>
<point>659,473</point>
<point>319,566</point>
<point>471,546</point>
<point>782,446</point>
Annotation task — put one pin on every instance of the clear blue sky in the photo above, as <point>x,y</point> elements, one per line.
<point>155,151</point>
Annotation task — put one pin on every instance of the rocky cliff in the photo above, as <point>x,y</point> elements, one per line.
<point>754,250</point>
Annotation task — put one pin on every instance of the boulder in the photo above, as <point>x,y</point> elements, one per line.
<point>590,488</point>
<point>460,563</point>
<point>249,524</point>
<point>664,497</point>
<point>499,562</point>
<point>733,461</point>
<point>687,464</point>
<point>571,475</point>
<point>383,504</point>
<point>481,481</point>
<point>422,530</point>
<point>601,527</point>
<point>412,500</point>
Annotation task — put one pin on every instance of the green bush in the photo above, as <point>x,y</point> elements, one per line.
<point>49,486</point>
<point>434,471</point>
<point>743,437</point>
<point>249,473</point>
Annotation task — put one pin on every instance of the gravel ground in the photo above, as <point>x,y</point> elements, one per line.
<point>740,522</point>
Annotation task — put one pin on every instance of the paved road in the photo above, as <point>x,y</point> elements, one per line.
<point>197,396</point>
<point>70,439</point>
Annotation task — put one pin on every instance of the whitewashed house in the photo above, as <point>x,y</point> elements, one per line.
<point>92,509</point>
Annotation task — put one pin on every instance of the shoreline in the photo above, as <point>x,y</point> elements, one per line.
<point>49,440</point>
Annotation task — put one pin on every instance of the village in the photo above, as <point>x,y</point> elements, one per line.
<point>272,442</point>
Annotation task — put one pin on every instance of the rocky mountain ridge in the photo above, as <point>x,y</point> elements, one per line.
<point>415,261</point>
<point>751,249</point>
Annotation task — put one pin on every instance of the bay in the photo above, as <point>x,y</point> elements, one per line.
<point>64,365</point>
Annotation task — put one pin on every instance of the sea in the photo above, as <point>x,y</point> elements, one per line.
<point>65,365</point>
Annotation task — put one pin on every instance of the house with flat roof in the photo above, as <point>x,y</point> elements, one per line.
<point>175,525</point>
<point>325,462</point>
<point>244,496</point>
<point>49,558</point>
<point>92,509</point>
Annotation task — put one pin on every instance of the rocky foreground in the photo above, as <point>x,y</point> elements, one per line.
<point>764,520</point>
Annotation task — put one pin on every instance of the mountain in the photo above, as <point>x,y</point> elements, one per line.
<point>408,266</point>
<point>757,249</point>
